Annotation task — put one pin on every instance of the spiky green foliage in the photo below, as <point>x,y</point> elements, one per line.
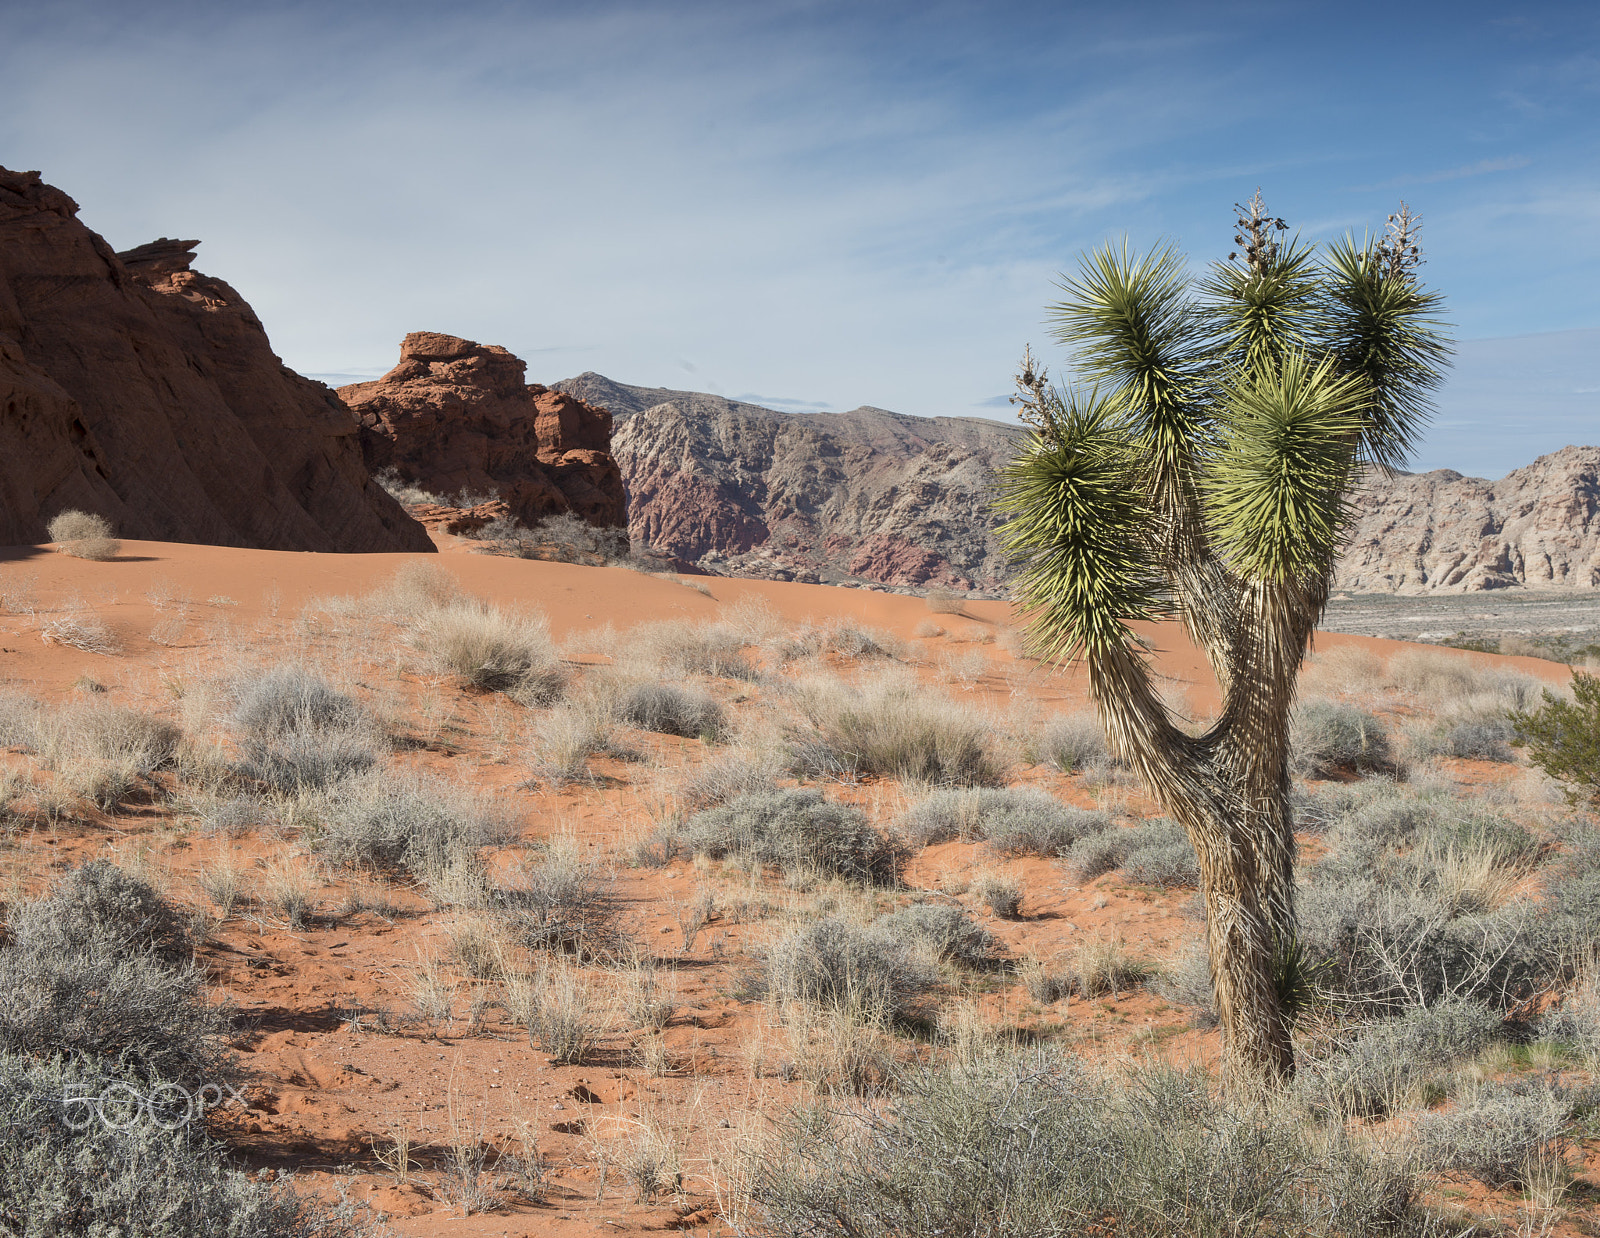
<point>1205,475</point>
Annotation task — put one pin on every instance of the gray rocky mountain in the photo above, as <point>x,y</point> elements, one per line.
<point>880,498</point>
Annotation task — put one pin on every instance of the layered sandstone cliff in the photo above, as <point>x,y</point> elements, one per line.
<point>456,416</point>
<point>865,497</point>
<point>1439,532</point>
<point>137,388</point>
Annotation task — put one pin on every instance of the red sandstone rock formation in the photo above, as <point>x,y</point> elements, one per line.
<point>454,415</point>
<point>143,391</point>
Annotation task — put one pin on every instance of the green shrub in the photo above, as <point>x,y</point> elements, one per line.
<point>55,1180</point>
<point>1041,1148</point>
<point>865,973</point>
<point>671,710</point>
<point>948,932</point>
<point>1563,737</point>
<point>795,830</point>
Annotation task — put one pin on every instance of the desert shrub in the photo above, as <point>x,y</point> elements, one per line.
<point>947,932</point>
<point>491,649</point>
<point>737,772</point>
<point>671,710</point>
<point>890,727</point>
<point>1326,737</point>
<point>109,733</point>
<point>390,821</point>
<point>1161,855</point>
<point>1103,965</point>
<point>796,830</point>
<point>1385,815</point>
<point>297,733</point>
<point>677,648</point>
<point>561,536</point>
<point>101,908</point>
<point>1001,895</point>
<point>1563,737</point>
<point>1457,685</point>
<point>81,629</point>
<point>1040,1148</point>
<point>1073,743</point>
<point>1389,1060</point>
<point>1508,842</point>
<point>84,536</point>
<point>563,739</point>
<point>1576,1021</point>
<point>236,815</point>
<point>1478,739</point>
<point>22,721</point>
<point>865,973</point>
<point>97,970</point>
<point>1186,981</point>
<point>843,638</point>
<point>1014,821</point>
<point>56,1180</point>
<point>1499,1136</point>
<point>564,904</point>
<point>406,492</point>
<point>1156,852</point>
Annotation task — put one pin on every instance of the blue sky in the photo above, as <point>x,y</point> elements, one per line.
<point>821,205</point>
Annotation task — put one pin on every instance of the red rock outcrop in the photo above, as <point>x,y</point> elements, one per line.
<point>136,388</point>
<point>457,416</point>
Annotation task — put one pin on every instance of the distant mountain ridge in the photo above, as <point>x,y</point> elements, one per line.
<point>889,499</point>
<point>868,497</point>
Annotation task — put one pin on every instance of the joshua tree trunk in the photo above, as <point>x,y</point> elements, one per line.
<point>1205,478</point>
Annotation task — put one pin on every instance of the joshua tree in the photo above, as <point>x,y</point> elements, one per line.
<point>1204,475</point>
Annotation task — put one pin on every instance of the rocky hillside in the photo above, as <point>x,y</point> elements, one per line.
<point>454,416</point>
<point>1440,532</point>
<point>137,388</point>
<point>867,497</point>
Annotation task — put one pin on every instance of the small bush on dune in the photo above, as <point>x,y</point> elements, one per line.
<point>1014,821</point>
<point>795,830</point>
<point>892,728</point>
<point>1156,852</point>
<point>1477,740</point>
<point>389,821</point>
<point>1073,744</point>
<point>57,1180</point>
<point>1326,738</point>
<point>491,649</point>
<point>677,648</point>
<point>84,536</point>
<point>671,710</point>
<point>842,638</point>
<point>947,932</point>
<point>1501,1136</point>
<point>1039,1147</point>
<point>101,969</point>
<point>298,733</point>
<point>567,905</point>
<point>741,771</point>
<point>866,973</point>
<point>563,738</point>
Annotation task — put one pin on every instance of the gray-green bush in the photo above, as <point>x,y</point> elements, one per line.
<point>671,710</point>
<point>1041,1148</point>
<point>1073,743</point>
<point>55,1180</point>
<point>298,733</point>
<point>389,821</point>
<point>948,932</point>
<point>1501,1134</point>
<point>866,973</point>
<point>1157,852</point>
<point>1327,737</point>
<point>796,830</point>
<point>1014,821</point>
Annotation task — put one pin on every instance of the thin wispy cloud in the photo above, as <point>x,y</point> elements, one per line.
<point>1481,168</point>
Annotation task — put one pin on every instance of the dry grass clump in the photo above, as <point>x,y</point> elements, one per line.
<point>391,822</point>
<point>867,974</point>
<point>83,536</point>
<point>1508,1135</point>
<point>890,727</point>
<point>1000,894</point>
<point>81,629</point>
<point>843,638</point>
<point>562,739</point>
<point>297,733</point>
<point>567,905</point>
<point>491,649</point>
<point>794,830</point>
<point>738,771</point>
<point>946,931</point>
<point>679,648</point>
<point>1074,743</point>
<point>1014,820</point>
<point>671,710</point>
<point>560,1013</point>
<point>944,602</point>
